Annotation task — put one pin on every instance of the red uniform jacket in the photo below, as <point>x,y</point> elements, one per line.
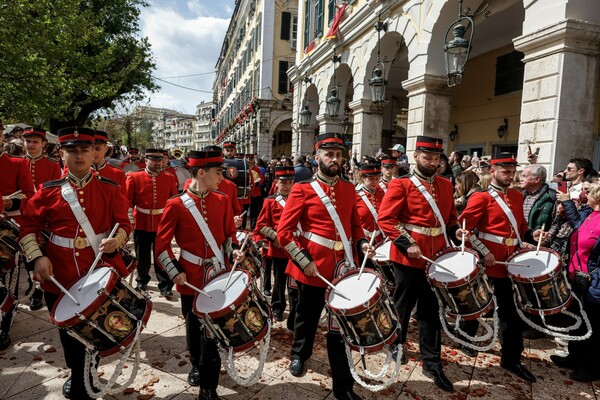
<point>139,164</point>
<point>304,206</point>
<point>227,187</point>
<point>114,174</point>
<point>172,171</point>
<point>255,192</point>
<point>178,222</point>
<point>367,222</point>
<point>15,176</point>
<point>43,170</point>
<point>104,205</point>
<point>403,203</point>
<point>151,193</point>
<point>485,214</point>
<point>266,225</point>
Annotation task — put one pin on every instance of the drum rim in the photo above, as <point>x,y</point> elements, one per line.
<point>548,311</point>
<point>255,339</point>
<point>376,347</point>
<point>127,341</point>
<point>359,308</point>
<point>94,305</point>
<point>461,281</point>
<point>520,278</point>
<point>226,310</point>
<point>468,317</point>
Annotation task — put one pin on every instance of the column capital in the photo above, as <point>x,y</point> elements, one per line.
<point>366,106</point>
<point>435,84</point>
<point>568,35</point>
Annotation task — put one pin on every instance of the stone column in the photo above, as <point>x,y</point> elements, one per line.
<point>428,109</point>
<point>327,124</point>
<point>367,128</point>
<point>560,89</point>
<point>304,141</point>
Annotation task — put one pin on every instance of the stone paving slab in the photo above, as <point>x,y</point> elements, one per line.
<point>33,367</point>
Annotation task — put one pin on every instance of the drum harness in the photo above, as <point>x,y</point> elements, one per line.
<point>553,330</point>
<point>227,355</point>
<point>349,259</point>
<point>69,195</point>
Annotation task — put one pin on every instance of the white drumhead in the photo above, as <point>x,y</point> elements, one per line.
<point>382,253</point>
<point>461,264</point>
<point>66,308</point>
<point>356,290</point>
<point>240,235</point>
<point>221,299</point>
<point>538,265</point>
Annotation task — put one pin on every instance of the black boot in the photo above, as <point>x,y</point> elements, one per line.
<point>35,301</point>
<point>66,390</point>
<point>208,394</point>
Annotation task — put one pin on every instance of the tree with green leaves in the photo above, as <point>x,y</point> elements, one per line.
<point>62,60</point>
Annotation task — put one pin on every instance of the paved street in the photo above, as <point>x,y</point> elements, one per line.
<point>33,368</point>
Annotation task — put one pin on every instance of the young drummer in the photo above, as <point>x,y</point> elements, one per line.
<point>266,227</point>
<point>78,211</point>
<point>196,218</point>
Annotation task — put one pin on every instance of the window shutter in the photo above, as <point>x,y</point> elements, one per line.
<point>319,27</point>
<point>331,10</point>
<point>282,86</point>
<point>286,20</point>
<point>306,23</point>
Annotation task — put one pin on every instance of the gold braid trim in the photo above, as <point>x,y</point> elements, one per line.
<point>30,247</point>
<point>298,257</point>
<point>479,246</point>
<point>121,238</point>
<point>269,233</point>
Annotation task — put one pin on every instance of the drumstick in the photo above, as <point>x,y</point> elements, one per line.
<point>537,250</point>
<point>511,263</point>
<point>10,196</point>
<point>437,265</point>
<point>331,286</point>
<point>362,267</point>
<point>98,256</point>
<point>462,245</point>
<point>197,290</point>
<point>235,263</point>
<point>244,213</point>
<point>65,291</point>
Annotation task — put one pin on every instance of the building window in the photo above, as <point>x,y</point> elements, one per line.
<point>294,38</point>
<point>331,11</point>
<point>313,20</point>
<point>286,21</point>
<point>509,73</point>
<point>282,86</point>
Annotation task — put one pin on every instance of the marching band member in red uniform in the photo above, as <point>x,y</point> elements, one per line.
<point>368,201</point>
<point>198,263</point>
<point>15,176</point>
<point>389,169</point>
<point>97,205</point>
<point>43,169</point>
<point>101,167</point>
<point>256,200</point>
<point>266,227</point>
<point>321,248</point>
<point>497,240</point>
<point>148,192</point>
<point>166,167</point>
<point>407,217</point>
<point>133,158</point>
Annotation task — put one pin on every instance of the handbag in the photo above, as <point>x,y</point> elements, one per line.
<point>593,292</point>
<point>581,280</point>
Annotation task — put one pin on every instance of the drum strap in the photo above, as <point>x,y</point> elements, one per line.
<point>279,198</point>
<point>68,193</point>
<point>382,185</point>
<point>432,204</point>
<point>508,212</point>
<point>364,197</point>
<point>336,220</point>
<point>190,204</point>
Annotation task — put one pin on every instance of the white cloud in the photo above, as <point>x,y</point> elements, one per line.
<point>183,47</point>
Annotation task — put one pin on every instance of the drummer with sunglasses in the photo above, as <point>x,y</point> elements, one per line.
<point>201,220</point>
<point>497,214</point>
<point>69,209</point>
<point>419,216</point>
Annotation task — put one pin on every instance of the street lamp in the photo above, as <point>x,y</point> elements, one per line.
<point>502,129</point>
<point>453,134</point>
<point>457,48</point>
<point>378,83</point>
<point>333,103</point>
<point>305,115</point>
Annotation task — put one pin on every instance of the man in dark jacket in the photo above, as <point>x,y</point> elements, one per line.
<point>538,198</point>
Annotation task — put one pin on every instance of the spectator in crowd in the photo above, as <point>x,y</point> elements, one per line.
<point>577,170</point>
<point>456,158</point>
<point>466,184</point>
<point>538,197</point>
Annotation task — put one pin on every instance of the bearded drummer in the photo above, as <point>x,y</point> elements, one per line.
<point>78,211</point>
<point>198,262</point>
<point>418,214</point>
<point>497,214</point>
<point>322,249</point>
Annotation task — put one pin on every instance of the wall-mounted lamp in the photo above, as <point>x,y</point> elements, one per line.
<point>378,83</point>
<point>453,134</point>
<point>333,102</point>
<point>305,115</point>
<point>458,48</point>
<point>502,129</point>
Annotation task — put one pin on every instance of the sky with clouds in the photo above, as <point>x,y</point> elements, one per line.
<point>186,38</point>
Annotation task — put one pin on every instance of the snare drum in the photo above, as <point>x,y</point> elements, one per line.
<point>542,285</point>
<point>382,263</point>
<point>237,317</point>
<point>368,320</point>
<point>128,258</point>
<point>467,294</point>
<point>253,260</point>
<point>109,311</point>
<point>9,244</point>
<point>7,303</point>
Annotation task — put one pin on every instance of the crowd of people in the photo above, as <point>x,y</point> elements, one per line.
<point>312,218</point>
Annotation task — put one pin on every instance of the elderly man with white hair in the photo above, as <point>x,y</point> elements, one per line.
<point>538,197</point>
